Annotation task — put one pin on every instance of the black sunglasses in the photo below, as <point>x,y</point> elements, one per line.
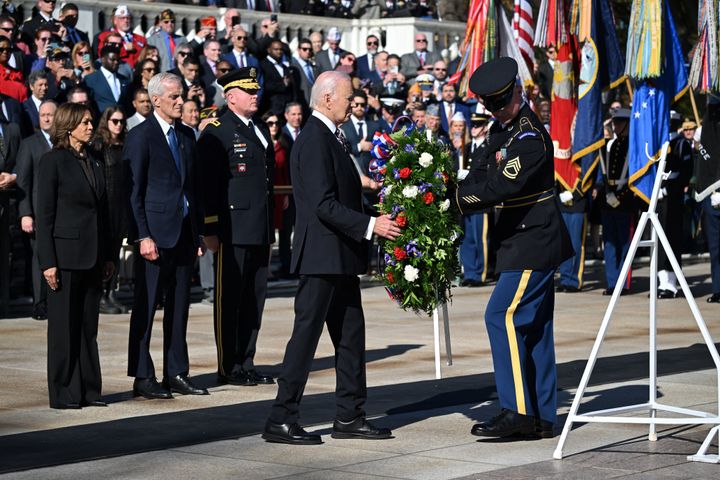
<point>183,53</point>
<point>5,49</point>
<point>272,124</point>
<point>117,121</point>
<point>305,49</point>
<point>241,37</point>
<point>224,70</point>
<point>372,43</point>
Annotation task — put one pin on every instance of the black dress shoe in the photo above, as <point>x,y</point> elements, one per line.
<point>39,312</point>
<point>569,289</point>
<point>464,282</point>
<point>107,308</point>
<point>609,291</point>
<point>662,293</point>
<point>150,388</point>
<point>505,424</point>
<point>291,433</point>
<point>560,288</point>
<point>181,384</point>
<point>238,377</point>
<point>714,298</point>
<point>475,283</point>
<point>259,378</point>
<point>544,429</point>
<point>93,403</point>
<point>66,406</point>
<point>359,428</point>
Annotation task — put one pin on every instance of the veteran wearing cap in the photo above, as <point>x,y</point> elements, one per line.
<point>165,40</point>
<point>531,242</point>
<point>237,178</point>
<point>132,42</point>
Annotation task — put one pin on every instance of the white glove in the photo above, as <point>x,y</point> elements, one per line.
<point>566,196</point>
<point>462,173</point>
<point>662,193</point>
<point>612,200</point>
<point>715,200</point>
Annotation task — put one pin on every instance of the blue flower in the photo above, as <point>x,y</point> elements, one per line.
<point>396,174</point>
<point>409,148</point>
<point>412,250</point>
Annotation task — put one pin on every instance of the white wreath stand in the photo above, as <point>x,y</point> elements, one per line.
<point>436,331</point>
<point>683,416</point>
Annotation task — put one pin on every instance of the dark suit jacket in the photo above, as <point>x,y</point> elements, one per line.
<point>369,128</point>
<point>409,63</point>
<point>13,107</point>
<point>156,186</point>
<point>101,93</point>
<point>363,70</point>
<point>28,168</point>
<point>11,145</point>
<point>305,85</point>
<point>207,77</point>
<point>275,93</point>
<point>31,113</point>
<point>457,107</point>
<point>252,61</point>
<point>70,215</point>
<point>330,224</point>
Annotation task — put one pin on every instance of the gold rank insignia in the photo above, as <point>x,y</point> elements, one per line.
<point>214,123</point>
<point>512,168</point>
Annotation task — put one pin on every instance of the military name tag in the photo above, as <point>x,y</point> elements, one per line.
<point>242,167</point>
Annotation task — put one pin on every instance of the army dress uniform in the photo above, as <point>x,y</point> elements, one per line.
<point>575,215</point>
<point>238,197</point>
<point>476,249</point>
<point>531,242</point>
<point>618,206</point>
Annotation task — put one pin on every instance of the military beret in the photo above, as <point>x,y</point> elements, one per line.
<point>208,22</point>
<point>243,78</point>
<point>121,11</point>
<point>493,82</point>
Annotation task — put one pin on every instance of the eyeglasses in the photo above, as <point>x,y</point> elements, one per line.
<point>440,69</point>
<point>183,53</point>
<point>50,1</point>
<point>241,37</point>
<point>270,123</point>
<point>371,44</point>
<point>305,49</point>
<point>117,121</point>
<point>5,49</point>
<point>149,69</point>
<point>168,22</point>
<point>82,52</point>
<point>421,40</point>
<point>358,104</point>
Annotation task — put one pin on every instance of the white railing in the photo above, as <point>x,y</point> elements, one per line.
<point>397,33</point>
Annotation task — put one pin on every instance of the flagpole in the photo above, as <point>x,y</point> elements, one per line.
<point>629,88</point>
<point>694,107</point>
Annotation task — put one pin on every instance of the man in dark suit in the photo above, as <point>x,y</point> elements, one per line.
<point>108,87</point>
<point>365,63</point>
<point>28,166</point>
<point>42,17</point>
<point>38,83</point>
<point>69,18</point>
<point>327,59</point>
<point>238,196</point>
<point>359,131</point>
<point>305,66</point>
<point>165,217</point>
<point>329,252</point>
<point>210,59</point>
<point>278,86</point>
<point>11,110</point>
<point>450,105</point>
<point>420,57</point>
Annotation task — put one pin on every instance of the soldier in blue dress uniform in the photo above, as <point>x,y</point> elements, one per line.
<point>531,242</point>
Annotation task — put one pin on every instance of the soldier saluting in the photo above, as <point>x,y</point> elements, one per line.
<point>532,241</point>
<point>237,182</point>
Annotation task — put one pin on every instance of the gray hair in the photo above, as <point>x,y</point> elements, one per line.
<point>326,84</point>
<point>36,75</point>
<point>156,85</point>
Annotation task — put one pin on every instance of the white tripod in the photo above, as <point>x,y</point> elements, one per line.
<point>683,416</point>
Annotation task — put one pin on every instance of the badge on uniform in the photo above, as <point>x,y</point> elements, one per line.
<point>239,147</point>
<point>512,168</point>
<point>242,167</point>
<point>501,155</point>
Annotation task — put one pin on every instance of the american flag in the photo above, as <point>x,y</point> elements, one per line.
<point>524,28</point>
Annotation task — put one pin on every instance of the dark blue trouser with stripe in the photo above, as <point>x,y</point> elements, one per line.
<point>571,270</point>
<point>474,247</point>
<point>519,319</point>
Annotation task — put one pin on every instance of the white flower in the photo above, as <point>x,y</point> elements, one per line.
<point>411,273</point>
<point>410,192</point>
<point>425,160</point>
<point>444,206</point>
<point>388,189</point>
<point>391,160</point>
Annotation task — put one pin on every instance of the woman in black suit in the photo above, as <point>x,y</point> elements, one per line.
<point>73,256</point>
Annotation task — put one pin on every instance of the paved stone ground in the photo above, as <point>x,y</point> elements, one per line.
<point>218,436</point>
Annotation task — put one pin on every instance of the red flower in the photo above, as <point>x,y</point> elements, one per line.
<point>401,221</point>
<point>428,198</point>
<point>390,277</point>
<point>405,172</point>
<point>445,177</point>
<point>399,253</point>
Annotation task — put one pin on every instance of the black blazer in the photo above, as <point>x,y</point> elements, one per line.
<point>31,151</point>
<point>156,187</point>
<point>11,144</point>
<point>369,127</point>
<point>330,223</point>
<point>237,182</point>
<point>275,93</point>
<point>70,214</point>
<point>32,116</point>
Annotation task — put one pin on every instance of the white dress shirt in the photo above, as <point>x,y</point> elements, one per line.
<point>112,81</point>
<point>259,134</point>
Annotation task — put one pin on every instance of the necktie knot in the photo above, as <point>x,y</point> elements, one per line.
<point>343,141</point>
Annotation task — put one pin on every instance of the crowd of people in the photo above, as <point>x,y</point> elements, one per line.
<point>113,103</point>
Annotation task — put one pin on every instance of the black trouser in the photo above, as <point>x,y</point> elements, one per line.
<point>38,280</point>
<point>284,234</point>
<point>171,273</point>
<point>335,300</point>
<point>240,290</point>
<point>73,368</point>
<point>670,213</point>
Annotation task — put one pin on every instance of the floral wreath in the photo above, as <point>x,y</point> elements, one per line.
<point>420,265</point>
